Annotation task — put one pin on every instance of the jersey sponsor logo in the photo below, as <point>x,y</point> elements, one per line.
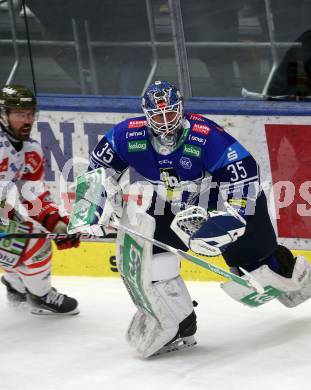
<point>161,162</point>
<point>4,165</point>
<point>8,259</point>
<point>202,129</point>
<point>136,124</point>
<point>137,146</point>
<point>232,154</point>
<point>185,162</point>
<point>42,255</point>
<point>131,134</point>
<point>192,150</point>
<point>197,117</point>
<point>195,138</point>
<point>32,160</point>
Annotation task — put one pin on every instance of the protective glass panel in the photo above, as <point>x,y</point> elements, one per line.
<point>15,64</point>
<point>259,45</point>
<point>106,47</point>
<point>115,47</point>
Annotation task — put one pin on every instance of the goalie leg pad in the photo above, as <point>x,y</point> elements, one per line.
<point>163,301</point>
<point>270,280</point>
<point>176,319</point>
<point>165,266</point>
<point>302,276</point>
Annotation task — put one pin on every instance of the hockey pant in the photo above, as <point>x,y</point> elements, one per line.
<point>157,290</point>
<point>27,263</point>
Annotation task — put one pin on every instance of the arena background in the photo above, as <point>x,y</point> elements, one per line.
<point>277,135</point>
<point>88,61</point>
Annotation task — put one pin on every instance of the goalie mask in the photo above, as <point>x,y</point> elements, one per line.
<point>162,104</point>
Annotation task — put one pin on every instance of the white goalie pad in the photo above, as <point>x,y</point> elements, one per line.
<point>275,285</point>
<point>165,266</point>
<point>161,305</point>
<point>302,276</point>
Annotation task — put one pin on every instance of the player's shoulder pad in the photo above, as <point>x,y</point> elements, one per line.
<point>202,129</point>
<point>32,145</point>
<point>132,128</point>
<point>4,142</point>
<point>128,130</point>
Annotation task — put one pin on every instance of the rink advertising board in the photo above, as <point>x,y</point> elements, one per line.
<point>280,143</point>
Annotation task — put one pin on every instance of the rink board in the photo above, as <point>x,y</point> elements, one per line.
<point>276,133</point>
<point>98,259</point>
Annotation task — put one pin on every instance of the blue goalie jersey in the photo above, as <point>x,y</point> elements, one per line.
<point>207,167</point>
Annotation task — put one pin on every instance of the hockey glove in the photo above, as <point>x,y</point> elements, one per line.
<point>58,224</point>
<point>209,233</point>
<point>220,230</point>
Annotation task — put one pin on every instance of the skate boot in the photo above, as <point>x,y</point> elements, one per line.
<point>14,297</point>
<point>53,303</point>
<point>184,338</point>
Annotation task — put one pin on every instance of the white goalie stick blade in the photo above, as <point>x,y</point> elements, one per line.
<point>177,345</point>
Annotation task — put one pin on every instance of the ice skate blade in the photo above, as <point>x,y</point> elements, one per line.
<point>46,312</point>
<point>177,345</point>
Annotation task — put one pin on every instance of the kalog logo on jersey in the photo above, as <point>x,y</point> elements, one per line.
<point>137,146</point>
<point>192,150</point>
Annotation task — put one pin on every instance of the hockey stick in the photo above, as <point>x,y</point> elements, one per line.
<point>53,236</point>
<point>249,282</point>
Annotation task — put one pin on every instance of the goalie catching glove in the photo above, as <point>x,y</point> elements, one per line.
<point>208,233</point>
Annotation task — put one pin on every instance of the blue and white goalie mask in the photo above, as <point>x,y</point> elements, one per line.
<point>162,104</point>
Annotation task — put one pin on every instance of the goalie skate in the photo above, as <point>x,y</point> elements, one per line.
<point>177,345</point>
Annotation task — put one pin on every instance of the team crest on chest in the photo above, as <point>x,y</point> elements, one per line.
<point>171,181</point>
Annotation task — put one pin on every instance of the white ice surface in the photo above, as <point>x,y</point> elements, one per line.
<point>238,347</point>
